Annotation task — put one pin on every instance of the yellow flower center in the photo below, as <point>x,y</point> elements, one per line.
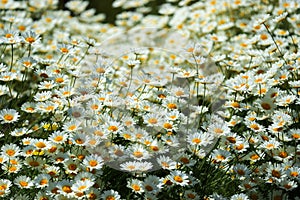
<point>179,93</point>
<point>12,168</point>
<point>8,117</point>
<point>168,125</point>
<point>48,19</point>
<point>3,187</point>
<point>131,167</point>
<point>294,174</point>
<point>269,146</point>
<point>82,187</point>
<point>30,109</point>
<point>283,154</point>
<point>235,104</point>
<point>191,49</point>
<point>178,179</point>
<point>173,117</point>
<point>196,140</point>
<point>72,127</point>
<point>165,164</point>
<point>152,121</point>
<point>162,96</point>
<point>112,128</point>
<point>66,93</point>
<point>296,136</point>
<point>30,40</point>
<point>110,198</point>
<point>22,28</point>
<point>10,152</point>
<point>218,131</point>
<point>23,183</point>
<point>126,136</point>
<point>154,148</point>
<point>136,187</point>
<point>40,145</point>
<point>94,107</point>
<point>254,126</point>
<point>263,36</point>
<point>8,35</point>
<point>139,135</point>
<point>220,157</point>
<point>262,91</point>
<point>43,182</point>
<point>64,50</point>
<point>66,189</point>
<point>138,154</point>
<point>27,63</point>
<point>79,141</point>
<point>239,147</point>
<point>172,106</point>
<point>100,70</point>
<point>59,80</point>
<point>93,163</point>
<point>58,138</point>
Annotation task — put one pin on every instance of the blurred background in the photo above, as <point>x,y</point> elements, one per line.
<point>105,6</point>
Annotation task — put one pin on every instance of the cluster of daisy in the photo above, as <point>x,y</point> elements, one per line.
<point>200,100</point>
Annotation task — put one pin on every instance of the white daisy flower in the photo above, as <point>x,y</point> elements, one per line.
<point>9,116</point>
<point>23,182</point>
<point>93,161</point>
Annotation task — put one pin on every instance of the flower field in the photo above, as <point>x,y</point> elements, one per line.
<point>192,100</point>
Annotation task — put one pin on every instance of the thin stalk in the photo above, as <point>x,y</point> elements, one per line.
<point>12,57</point>
<point>130,81</point>
<point>60,58</point>
<point>4,48</point>
<point>29,50</point>
<point>272,36</point>
<point>82,57</point>
<point>141,92</point>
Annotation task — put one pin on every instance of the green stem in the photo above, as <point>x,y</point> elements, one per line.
<point>272,36</point>
<point>130,81</point>
<point>188,117</point>
<point>250,62</point>
<point>60,58</point>
<point>197,66</point>
<point>4,48</point>
<point>141,92</point>
<point>82,57</point>
<point>12,57</point>
<point>29,50</point>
